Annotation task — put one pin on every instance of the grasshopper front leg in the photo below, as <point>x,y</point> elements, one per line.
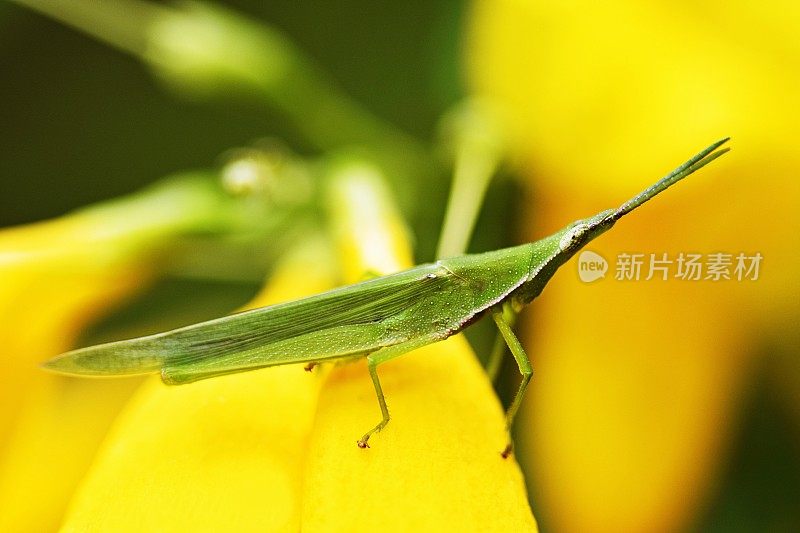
<point>525,369</point>
<point>495,361</point>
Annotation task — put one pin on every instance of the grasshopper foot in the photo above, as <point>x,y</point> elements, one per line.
<point>507,451</point>
<point>362,442</point>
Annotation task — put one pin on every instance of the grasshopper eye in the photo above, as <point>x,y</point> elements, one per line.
<point>572,236</point>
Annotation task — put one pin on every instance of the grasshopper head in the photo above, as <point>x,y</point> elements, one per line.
<point>552,252</point>
<point>555,250</point>
<point>578,234</point>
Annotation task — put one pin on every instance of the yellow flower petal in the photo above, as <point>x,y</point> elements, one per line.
<point>54,441</point>
<point>435,467</point>
<point>41,316</point>
<point>57,277</point>
<point>220,455</point>
<point>371,237</point>
<point>50,426</point>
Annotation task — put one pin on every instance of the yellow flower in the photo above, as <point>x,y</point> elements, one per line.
<point>50,426</point>
<point>276,449</point>
<point>638,382</point>
<point>57,278</point>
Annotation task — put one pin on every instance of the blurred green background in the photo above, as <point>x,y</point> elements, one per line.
<point>83,122</point>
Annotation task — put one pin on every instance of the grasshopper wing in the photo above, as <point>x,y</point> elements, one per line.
<point>343,322</point>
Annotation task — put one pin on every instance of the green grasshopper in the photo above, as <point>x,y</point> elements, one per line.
<point>379,319</point>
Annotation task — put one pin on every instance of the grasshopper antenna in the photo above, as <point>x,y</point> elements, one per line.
<point>692,165</point>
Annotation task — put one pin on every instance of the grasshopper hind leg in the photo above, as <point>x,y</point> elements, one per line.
<point>373,373</point>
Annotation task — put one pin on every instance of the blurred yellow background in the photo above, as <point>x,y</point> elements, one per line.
<point>642,385</point>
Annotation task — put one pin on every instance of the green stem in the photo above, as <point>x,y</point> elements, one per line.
<point>478,151</point>
<point>471,177</point>
<point>204,50</point>
<point>119,23</point>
